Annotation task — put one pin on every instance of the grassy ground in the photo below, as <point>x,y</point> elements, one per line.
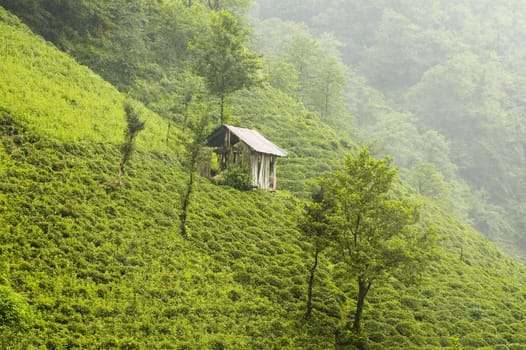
<point>104,266</point>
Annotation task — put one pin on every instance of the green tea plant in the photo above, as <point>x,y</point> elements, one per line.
<point>97,266</point>
<point>238,177</point>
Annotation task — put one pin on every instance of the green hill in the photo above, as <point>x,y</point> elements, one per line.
<point>425,73</point>
<point>94,265</point>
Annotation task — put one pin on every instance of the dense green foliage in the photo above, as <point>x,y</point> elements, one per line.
<point>375,231</point>
<point>222,59</point>
<point>238,177</point>
<point>435,82</point>
<point>88,264</point>
<point>15,316</point>
<point>369,230</point>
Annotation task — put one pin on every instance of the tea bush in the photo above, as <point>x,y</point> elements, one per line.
<point>92,264</point>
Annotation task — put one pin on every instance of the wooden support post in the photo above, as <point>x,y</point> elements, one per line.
<point>273,174</point>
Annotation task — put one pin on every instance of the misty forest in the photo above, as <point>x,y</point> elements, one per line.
<point>263,174</point>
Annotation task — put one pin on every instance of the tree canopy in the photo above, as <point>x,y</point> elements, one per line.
<point>222,58</point>
<point>373,228</point>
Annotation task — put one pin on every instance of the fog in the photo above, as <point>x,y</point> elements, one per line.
<point>437,84</point>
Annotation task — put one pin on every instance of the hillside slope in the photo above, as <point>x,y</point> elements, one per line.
<point>102,266</point>
<point>432,68</point>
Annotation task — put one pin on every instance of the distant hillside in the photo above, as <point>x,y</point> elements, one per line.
<point>104,266</point>
<point>431,70</point>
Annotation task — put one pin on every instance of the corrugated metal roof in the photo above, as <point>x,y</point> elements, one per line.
<point>252,138</point>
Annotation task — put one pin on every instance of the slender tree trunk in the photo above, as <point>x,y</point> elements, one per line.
<point>215,5</point>
<point>312,271</point>
<point>121,173</point>
<point>194,151</point>
<point>363,288</point>
<point>185,120</point>
<point>189,188</point>
<point>168,132</point>
<point>222,108</point>
<point>126,150</point>
<point>186,202</point>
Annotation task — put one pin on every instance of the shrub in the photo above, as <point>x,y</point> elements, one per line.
<point>14,317</point>
<point>14,312</point>
<point>519,338</point>
<point>411,302</point>
<point>237,177</point>
<point>405,328</point>
<point>376,337</point>
<point>473,339</point>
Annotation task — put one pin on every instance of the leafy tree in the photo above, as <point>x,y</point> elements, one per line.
<point>394,64</point>
<point>376,232</point>
<point>427,180</point>
<point>282,75</point>
<point>198,128</point>
<point>469,107</point>
<point>187,89</point>
<point>223,59</point>
<point>134,126</point>
<point>316,227</point>
<point>328,87</point>
<point>273,34</point>
<point>77,18</point>
<point>321,74</point>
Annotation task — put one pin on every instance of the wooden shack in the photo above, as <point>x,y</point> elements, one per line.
<point>247,147</point>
